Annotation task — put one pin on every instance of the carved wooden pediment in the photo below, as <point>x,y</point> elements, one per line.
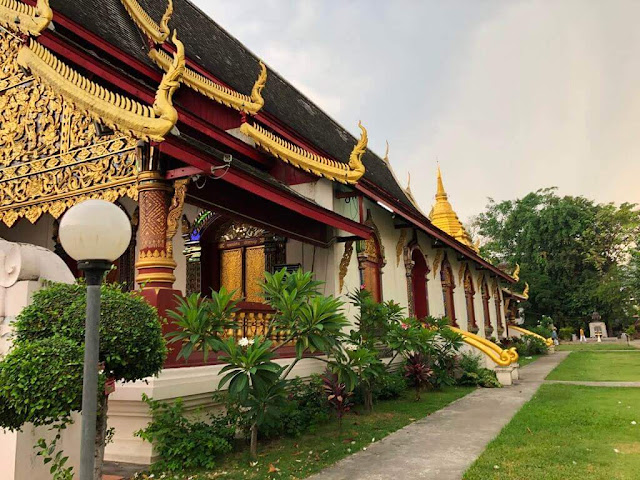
<point>52,153</point>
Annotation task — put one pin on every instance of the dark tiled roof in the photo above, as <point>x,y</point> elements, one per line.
<point>227,59</point>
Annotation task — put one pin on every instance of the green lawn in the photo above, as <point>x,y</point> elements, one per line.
<point>527,360</point>
<point>599,367</point>
<point>594,346</point>
<point>567,432</point>
<point>300,457</point>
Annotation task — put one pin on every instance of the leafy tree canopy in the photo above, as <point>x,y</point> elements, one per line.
<point>577,255</point>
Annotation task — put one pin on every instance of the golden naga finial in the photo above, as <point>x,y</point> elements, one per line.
<point>256,91</point>
<point>158,33</point>
<point>525,292</point>
<point>163,104</point>
<point>386,153</point>
<point>24,18</point>
<point>516,273</point>
<point>164,21</point>
<point>355,159</point>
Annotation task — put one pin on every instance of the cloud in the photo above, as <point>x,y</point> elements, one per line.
<point>509,96</point>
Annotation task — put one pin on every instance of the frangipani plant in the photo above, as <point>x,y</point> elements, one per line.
<point>302,316</point>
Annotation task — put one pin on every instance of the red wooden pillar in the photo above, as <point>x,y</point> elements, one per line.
<point>155,264</point>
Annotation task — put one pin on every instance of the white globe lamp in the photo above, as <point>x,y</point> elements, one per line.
<point>95,233</point>
<point>95,230</point>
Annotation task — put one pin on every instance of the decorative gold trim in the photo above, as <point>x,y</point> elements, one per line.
<point>155,258</point>
<point>461,271</point>
<point>250,104</point>
<point>525,292</point>
<point>307,161</point>
<point>159,277</point>
<point>175,212</point>
<point>158,33</point>
<point>516,273</point>
<point>400,245</point>
<point>344,263</point>
<point>437,262</point>
<point>24,18</point>
<point>115,110</point>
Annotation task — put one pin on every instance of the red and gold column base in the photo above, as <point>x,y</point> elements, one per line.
<point>155,270</point>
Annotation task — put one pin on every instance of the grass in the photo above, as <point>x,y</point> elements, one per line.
<point>567,432</point>
<point>594,346</point>
<point>599,367</point>
<point>522,361</point>
<point>300,457</point>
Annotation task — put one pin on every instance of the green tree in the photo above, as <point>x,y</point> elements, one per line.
<point>576,255</point>
<point>41,377</point>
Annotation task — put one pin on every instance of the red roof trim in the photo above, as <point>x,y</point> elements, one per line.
<point>173,147</point>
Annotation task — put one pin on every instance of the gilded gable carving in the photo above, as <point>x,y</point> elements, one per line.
<point>52,154</point>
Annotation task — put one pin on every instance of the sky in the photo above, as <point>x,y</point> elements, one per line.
<point>508,96</point>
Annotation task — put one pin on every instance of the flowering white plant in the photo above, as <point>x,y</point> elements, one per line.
<point>350,347</point>
<point>243,342</point>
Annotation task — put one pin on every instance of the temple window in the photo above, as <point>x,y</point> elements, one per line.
<point>469,293</point>
<point>448,285</point>
<point>371,260</point>
<point>417,275</point>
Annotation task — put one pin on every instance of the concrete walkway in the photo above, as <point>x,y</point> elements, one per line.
<point>443,445</point>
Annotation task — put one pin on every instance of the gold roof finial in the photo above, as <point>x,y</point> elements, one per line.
<point>256,91</point>
<point>445,218</point>
<point>386,152</point>
<point>525,292</point>
<point>516,273</point>
<point>440,193</point>
<point>163,105</point>
<point>164,21</point>
<point>158,33</point>
<point>355,159</point>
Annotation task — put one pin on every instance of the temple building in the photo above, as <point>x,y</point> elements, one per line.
<point>225,171</point>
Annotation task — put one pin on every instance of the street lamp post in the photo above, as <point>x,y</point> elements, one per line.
<point>95,233</point>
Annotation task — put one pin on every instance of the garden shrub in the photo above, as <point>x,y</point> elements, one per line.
<point>540,330</point>
<point>131,343</point>
<point>185,444</point>
<point>41,378</point>
<point>472,373</point>
<point>305,408</point>
<point>389,386</point>
<point>41,382</point>
<point>566,333</point>
<point>528,345</point>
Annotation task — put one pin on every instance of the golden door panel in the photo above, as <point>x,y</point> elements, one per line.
<point>254,273</point>
<point>231,271</point>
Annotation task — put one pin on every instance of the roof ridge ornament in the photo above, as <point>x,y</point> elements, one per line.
<point>157,32</point>
<point>25,18</point>
<point>142,121</point>
<point>250,104</point>
<point>516,273</point>
<point>525,292</point>
<point>308,161</point>
<point>355,159</point>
